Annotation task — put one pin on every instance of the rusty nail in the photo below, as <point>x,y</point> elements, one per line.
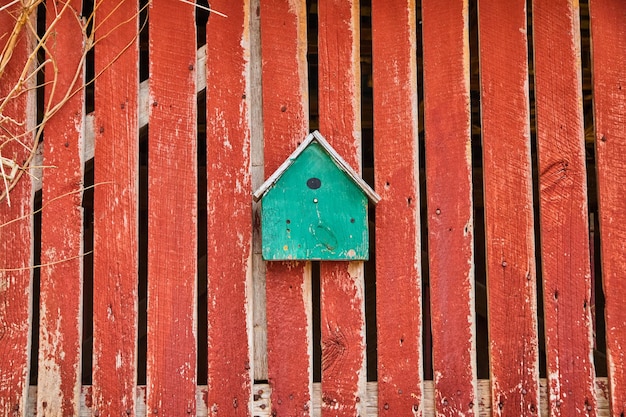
<point>190,67</point>
<point>283,109</point>
<point>386,406</point>
<point>235,403</point>
<point>603,138</point>
<point>155,411</point>
<point>101,129</point>
<point>358,399</point>
<point>122,106</point>
<point>155,103</point>
<point>504,264</point>
<point>260,392</point>
<point>214,409</point>
<point>280,402</point>
<point>438,211</point>
<point>67,144</point>
<point>558,403</point>
<point>189,410</point>
<point>262,406</point>
<point>400,392</point>
<point>445,402</point>
<point>305,406</point>
<point>128,411</point>
<point>291,397</point>
<point>524,392</point>
<point>415,407</point>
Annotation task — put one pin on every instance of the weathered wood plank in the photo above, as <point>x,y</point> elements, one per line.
<point>507,170</point>
<point>563,208</point>
<point>398,252</point>
<point>447,125</point>
<point>62,218</point>
<point>229,188</point>
<point>341,283</point>
<point>608,43</point>
<point>288,284</point>
<point>16,255</point>
<point>172,204</point>
<point>115,258</point>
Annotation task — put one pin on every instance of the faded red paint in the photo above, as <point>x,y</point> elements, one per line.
<point>172,204</point>
<point>507,173</point>
<point>398,253</point>
<point>608,43</point>
<point>288,284</point>
<point>62,220</point>
<point>15,286</point>
<point>342,286</point>
<point>116,167</point>
<point>447,122</point>
<point>563,208</point>
<point>229,210</point>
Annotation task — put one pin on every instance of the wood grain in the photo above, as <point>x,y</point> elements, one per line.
<point>608,43</point>
<point>172,207</point>
<point>60,334</point>
<point>116,166</point>
<point>341,283</point>
<point>563,208</point>
<point>16,256</point>
<point>398,252</point>
<point>511,274</point>
<point>447,125</point>
<point>288,284</point>
<point>229,258</point>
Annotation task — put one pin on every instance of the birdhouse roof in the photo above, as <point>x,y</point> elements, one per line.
<point>334,156</point>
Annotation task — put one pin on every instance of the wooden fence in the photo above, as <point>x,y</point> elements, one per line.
<point>133,134</point>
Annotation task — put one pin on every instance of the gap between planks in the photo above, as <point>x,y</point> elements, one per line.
<point>261,405</point>
<point>144,109</point>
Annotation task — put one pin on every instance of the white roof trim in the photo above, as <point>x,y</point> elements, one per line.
<point>339,161</point>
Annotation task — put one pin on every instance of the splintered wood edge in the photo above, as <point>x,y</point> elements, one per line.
<point>261,406</point>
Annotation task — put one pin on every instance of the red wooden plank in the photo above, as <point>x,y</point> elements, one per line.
<point>608,43</point>
<point>115,209</point>
<point>62,219</point>
<point>229,259</point>
<point>172,208</point>
<point>285,124</point>
<point>398,284</point>
<point>342,283</point>
<point>447,123</point>
<point>563,208</point>
<point>16,256</point>
<point>507,170</point>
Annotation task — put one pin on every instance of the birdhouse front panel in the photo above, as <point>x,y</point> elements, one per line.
<point>314,211</point>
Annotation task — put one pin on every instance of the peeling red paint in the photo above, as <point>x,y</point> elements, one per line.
<point>62,220</point>
<point>172,204</point>
<point>288,284</point>
<point>342,286</point>
<point>15,286</point>
<point>398,253</point>
<point>608,44</point>
<point>116,208</point>
<point>230,209</point>
<point>563,208</point>
<point>511,285</point>
<point>447,117</point>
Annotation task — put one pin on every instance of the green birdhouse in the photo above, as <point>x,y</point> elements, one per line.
<point>314,207</point>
